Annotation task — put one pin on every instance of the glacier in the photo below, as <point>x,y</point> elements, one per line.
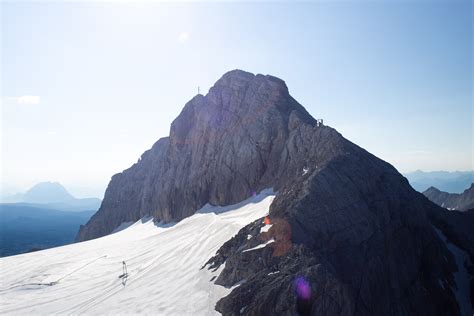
<point>164,263</point>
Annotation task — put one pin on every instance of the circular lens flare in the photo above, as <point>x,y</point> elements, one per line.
<point>302,288</point>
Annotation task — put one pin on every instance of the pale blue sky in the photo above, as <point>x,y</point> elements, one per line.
<point>394,77</point>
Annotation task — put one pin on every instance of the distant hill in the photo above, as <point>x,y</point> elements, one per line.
<point>52,195</point>
<point>452,201</point>
<point>24,228</point>
<point>451,182</point>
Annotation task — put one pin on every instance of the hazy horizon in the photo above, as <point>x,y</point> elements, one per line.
<point>87,88</point>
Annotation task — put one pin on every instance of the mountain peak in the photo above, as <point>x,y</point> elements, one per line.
<point>55,196</point>
<point>47,192</point>
<point>221,147</point>
<point>454,201</point>
<point>238,79</point>
<point>337,214</point>
<point>432,189</point>
<point>235,75</point>
<point>48,184</point>
<point>238,102</point>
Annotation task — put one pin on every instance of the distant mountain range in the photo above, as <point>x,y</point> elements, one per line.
<point>25,228</point>
<point>451,182</point>
<point>52,195</point>
<point>452,201</point>
<point>45,216</point>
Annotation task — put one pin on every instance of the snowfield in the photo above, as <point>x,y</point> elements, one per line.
<point>163,262</point>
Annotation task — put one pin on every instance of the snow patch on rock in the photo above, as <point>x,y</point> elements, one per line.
<point>260,246</point>
<point>265,228</point>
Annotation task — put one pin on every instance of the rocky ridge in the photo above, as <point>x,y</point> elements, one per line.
<point>453,201</point>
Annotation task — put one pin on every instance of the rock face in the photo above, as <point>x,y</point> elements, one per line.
<point>222,147</point>
<point>361,238</point>
<point>349,236</point>
<point>452,201</point>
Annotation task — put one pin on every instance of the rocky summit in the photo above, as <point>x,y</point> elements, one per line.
<point>346,233</point>
<point>240,138</point>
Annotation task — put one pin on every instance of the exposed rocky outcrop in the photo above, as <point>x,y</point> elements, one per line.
<point>361,238</point>
<point>453,201</point>
<point>349,236</point>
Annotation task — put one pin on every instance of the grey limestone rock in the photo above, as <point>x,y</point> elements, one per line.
<point>236,140</point>
<point>349,235</point>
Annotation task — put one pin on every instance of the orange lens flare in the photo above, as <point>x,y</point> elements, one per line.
<point>266,221</point>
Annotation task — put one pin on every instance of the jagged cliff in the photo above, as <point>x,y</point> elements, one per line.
<point>363,240</point>
<point>345,223</point>
<point>453,201</point>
